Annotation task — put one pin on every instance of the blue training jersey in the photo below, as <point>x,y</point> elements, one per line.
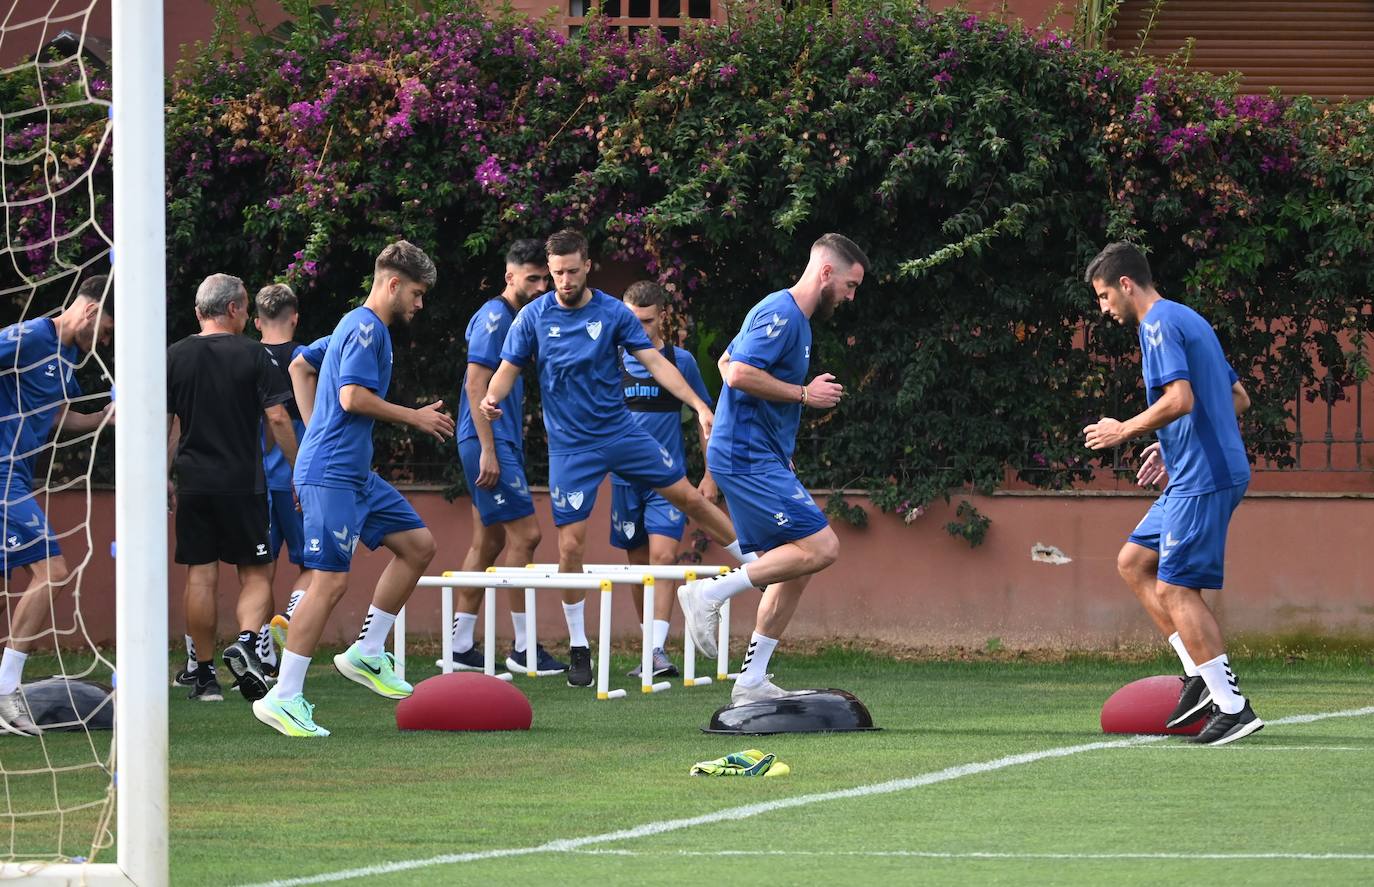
<point>1202,450</point>
<point>666,427</point>
<point>751,433</point>
<point>579,373</point>
<point>276,469</point>
<point>337,449</point>
<point>37,377</point>
<point>486,334</point>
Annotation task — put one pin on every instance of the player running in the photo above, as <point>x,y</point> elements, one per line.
<point>1179,548</point>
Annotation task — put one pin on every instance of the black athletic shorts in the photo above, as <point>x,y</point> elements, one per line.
<point>229,527</point>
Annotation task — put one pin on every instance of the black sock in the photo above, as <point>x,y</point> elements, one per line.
<point>248,637</point>
<point>206,668</point>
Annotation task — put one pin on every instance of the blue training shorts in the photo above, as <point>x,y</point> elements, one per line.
<point>634,455</point>
<point>638,512</point>
<point>510,499</point>
<point>1189,532</point>
<point>336,518</point>
<point>27,537</point>
<point>769,507</point>
<point>287,525</point>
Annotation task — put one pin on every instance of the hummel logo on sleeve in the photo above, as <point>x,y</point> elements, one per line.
<point>493,321</point>
<point>365,334</point>
<point>1153,337</point>
<point>775,326</point>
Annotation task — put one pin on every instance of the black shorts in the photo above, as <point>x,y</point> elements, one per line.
<point>229,527</point>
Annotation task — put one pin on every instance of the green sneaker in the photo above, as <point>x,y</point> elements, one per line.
<point>279,626</point>
<point>291,717</point>
<point>376,673</point>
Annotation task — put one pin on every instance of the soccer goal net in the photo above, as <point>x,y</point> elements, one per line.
<point>83,696</point>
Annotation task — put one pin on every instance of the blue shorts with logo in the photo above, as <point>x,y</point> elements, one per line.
<point>28,538</point>
<point>336,518</point>
<point>287,525</point>
<point>638,512</point>
<point>1189,532</point>
<point>634,455</point>
<point>510,499</point>
<point>769,507</point>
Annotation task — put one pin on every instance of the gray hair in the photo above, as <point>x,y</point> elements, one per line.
<point>217,292</point>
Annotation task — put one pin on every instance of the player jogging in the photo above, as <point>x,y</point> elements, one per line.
<point>750,457</point>
<point>1179,548</point>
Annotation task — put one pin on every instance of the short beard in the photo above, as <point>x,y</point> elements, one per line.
<point>829,301</point>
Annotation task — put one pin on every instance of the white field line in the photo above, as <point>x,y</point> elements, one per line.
<point>566,845</point>
<point>1253,748</point>
<point>936,854</point>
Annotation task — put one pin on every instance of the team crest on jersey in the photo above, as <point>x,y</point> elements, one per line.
<point>594,329</point>
<point>365,334</point>
<point>493,321</point>
<point>575,499</point>
<point>1153,337</point>
<point>775,326</point>
<point>555,332</point>
<point>628,528</point>
<point>666,456</point>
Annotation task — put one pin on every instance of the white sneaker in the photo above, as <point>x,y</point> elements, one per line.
<point>740,694</point>
<point>701,616</point>
<point>15,717</point>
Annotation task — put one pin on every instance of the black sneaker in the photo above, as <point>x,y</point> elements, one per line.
<point>186,677</point>
<point>580,667</point>
<point>544,663</point>
<point>469,660</point>
<point>242,662</point>
<point>206,689</point>
<point>1192,703</point>
<point>1224,728</point>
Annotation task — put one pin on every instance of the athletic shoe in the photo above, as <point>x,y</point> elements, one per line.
<point>277,627</point>
<point>471,660</point>
<point>206,689</point>
<point>544,663</point>
<point>15,717</point>
<point>186,677</point>
<point>663,666</point>
<point>740,694</point>
<point>376,673</point>
<point>290,717</point>
<point>1224,728</point>
<point>1192,703</point>
<point>701,616</point>
<point>580,669</point>
<point>243,663</point>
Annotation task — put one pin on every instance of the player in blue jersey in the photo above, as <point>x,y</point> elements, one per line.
<point>644,524</point>
<point>37,386</point>
<point>1179,548</point>
<point>493,459</point>
<point>765,369</point>
<point>343,501</point>
<point>575,334</point>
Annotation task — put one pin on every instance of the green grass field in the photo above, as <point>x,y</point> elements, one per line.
<point>1293,804</point>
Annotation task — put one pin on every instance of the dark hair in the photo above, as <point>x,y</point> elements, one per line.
<point>1118,260</point>
<point>566,243</point>
<point>645,294</point>
<point>275,300</point>
<point>93,288</point>
<point>407,259</point>
<point>526,252</point>
<point>844,248</point>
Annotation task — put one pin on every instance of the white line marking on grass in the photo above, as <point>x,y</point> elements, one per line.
<point>1203,750</point>
<point>649,829</point>
<point>936,854</point>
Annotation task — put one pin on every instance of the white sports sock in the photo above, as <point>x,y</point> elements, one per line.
<point>190,648</point>
<point>755,668</point>
<point>375,629</point>
<point>1189,667</point>
<point>577,626</point>
<point>291,678</point>
<point>295,599</point>
<point>11,670</point>
<point>267,651</point>
<point>741,556</point>
<point>660,633</point>
<point>1222,682</point>
<point>518,620</point>
<point>463,625</point>
<point>721,588</point>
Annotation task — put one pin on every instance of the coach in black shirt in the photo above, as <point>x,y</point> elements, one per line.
<point>219,384</point>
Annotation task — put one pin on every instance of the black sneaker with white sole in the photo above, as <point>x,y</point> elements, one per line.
<point>472,659</point>
<point>242,662</point>
<point>206,688</point>
<point>1192,703</point>
<point>579,666</point>
<point>186,677</point>
<point>544,663</point>
<point>1224,728</point>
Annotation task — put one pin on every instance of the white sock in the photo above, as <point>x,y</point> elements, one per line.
<point>577,625</point>
<point>375,629</point>
<point>1222,682</point>
<point>518,620</point>
<point>190,652</point>
<point>722,588</point>
<point>295,599</point>
<point>755,668</point>
<point>11,670</point>
<point>291,678</point>
<point>463,625</point>
<point>741,556</point>
<point>1189,667</point>
<point>267,651</point>
<point>660,633</point>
